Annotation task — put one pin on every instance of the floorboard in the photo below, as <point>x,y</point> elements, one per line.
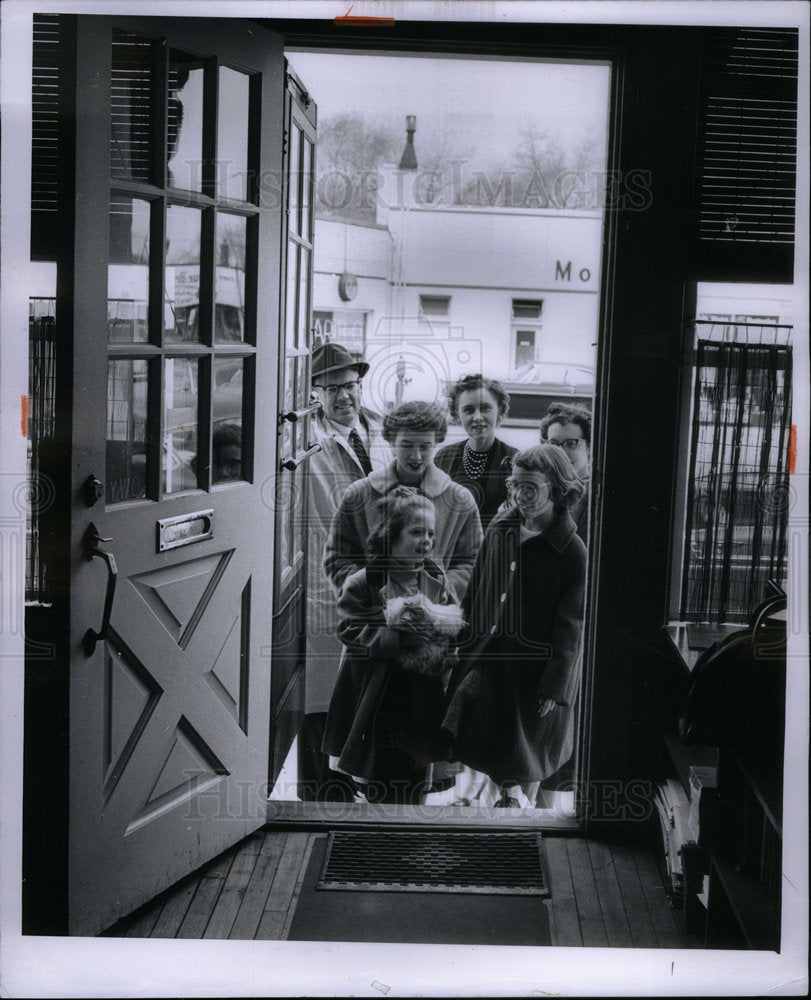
<point>174,910</point>
<point>664,918</point>
<point>141,924</point>
<point>280,897</point>
<point>615,916</point>
<point>633,897</point>
<point>563,921</point>
<point>297,888</point>
<point>258,889</point>
<point>589,913</point>
<point>233,891</point>
<point>603,894</point>
<point>194,923</point>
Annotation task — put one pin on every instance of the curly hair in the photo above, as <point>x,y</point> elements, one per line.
<point>417,417</point>
<point>565,485</point>
<point>396,510</point>
<point>567,413</point>
<point>471,382</point>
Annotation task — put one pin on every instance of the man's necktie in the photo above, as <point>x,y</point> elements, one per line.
<point>360,451</point>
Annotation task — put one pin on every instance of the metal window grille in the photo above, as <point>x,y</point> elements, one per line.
<point>738,479</point>
<point>41,430</point>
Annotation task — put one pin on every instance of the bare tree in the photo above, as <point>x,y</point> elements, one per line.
<point>543,172</point>
<point>441,166</point>
<point>350,152</point>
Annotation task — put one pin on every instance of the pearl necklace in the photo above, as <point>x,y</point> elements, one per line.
<point>474,462</point>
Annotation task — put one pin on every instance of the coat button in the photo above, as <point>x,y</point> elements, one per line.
<point>503,598</point>
<point>512,567</point>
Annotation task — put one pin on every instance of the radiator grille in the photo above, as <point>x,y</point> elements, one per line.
<point>506,863</point>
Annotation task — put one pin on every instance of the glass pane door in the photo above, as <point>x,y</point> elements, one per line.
<point>181,324</point>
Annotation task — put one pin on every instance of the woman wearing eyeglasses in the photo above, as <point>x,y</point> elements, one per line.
<point>511,715</point>
<point>568,426</point>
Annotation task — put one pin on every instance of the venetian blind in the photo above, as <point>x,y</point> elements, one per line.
<point>44,146</point>
<point>748,149</point>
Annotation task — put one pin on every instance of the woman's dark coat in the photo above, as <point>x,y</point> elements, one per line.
<point>490,491</point>
<point>375,703</point>
<point>525,612</point>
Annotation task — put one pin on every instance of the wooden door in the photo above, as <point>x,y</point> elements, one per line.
<point>290,496</point>
<point>170,289</point>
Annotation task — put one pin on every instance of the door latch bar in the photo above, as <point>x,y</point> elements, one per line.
<point>92,541</point>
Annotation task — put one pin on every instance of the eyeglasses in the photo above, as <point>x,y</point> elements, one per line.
<point>568,444</point>
<point>516,486</point>
<point>333,390</point>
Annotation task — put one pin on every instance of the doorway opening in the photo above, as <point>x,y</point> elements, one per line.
<point>455,234</point>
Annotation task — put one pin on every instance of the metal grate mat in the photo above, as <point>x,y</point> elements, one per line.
<point>429,861</point>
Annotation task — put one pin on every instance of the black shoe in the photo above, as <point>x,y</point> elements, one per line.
<point>507,802</point>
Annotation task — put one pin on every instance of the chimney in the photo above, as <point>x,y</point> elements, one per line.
<point>408,161</point>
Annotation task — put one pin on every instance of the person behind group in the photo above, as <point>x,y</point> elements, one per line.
<point>511,707</point>
<point>226,449</point>
<point>413,430</point>
<point>568,426</point>
<point>383,726</point>
<point>351,446</point>
<point>481,463</point>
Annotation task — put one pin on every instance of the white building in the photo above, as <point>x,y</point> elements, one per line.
<point>431,292</point>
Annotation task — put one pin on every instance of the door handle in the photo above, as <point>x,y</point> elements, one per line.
<point>294,461</point>
<point>294,415</point>
<point>92,541</point>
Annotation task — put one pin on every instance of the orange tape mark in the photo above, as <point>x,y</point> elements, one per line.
<point>24,415</point>
<point>362,22</point>
<point>792,449</point>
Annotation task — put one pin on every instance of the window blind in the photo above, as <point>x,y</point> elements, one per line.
<point>748,151</point>
<point>44,145</point>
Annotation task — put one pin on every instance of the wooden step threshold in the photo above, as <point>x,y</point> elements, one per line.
<point>317,815</point>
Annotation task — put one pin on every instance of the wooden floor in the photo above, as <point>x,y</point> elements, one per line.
<point>602,895</point>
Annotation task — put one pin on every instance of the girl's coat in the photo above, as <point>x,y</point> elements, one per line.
<point>525,608</point>
<point>375,702</point>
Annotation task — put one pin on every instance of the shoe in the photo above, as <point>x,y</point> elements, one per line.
<point>461,802</point>
<point>507,802</point>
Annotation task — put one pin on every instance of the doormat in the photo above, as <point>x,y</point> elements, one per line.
<point>415,917</point>
<point>414,861</point>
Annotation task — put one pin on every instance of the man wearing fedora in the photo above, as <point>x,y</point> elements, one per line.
<point>351,446</point>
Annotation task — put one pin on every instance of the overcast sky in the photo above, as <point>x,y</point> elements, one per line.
<point>481,104</point>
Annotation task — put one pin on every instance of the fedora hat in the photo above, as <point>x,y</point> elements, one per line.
<point>331,358</point>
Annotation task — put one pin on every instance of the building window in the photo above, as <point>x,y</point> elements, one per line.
<point>340,326</point>
<point>527,308</point>
<point>526,327</point>
<point>435,306</point>
<point>524,347</point>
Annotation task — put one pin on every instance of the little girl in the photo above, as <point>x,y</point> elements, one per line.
<point>511,713</point>
<point>396,621</point>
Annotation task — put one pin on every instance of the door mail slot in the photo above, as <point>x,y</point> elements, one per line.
<point>185,529</point>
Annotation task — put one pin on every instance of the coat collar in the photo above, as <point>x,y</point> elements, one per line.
<point>379,564</point>
<point>323,428</point>
<point>377,573</point>
<point>434,482</point>
<point>558,534</point>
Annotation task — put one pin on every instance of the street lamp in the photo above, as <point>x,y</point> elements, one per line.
<point>408,161</point>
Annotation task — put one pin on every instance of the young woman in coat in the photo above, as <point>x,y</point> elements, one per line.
<point>511,713</point>
<point>413,431</point>
<point>482,462</point>
<point>384,722</point>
